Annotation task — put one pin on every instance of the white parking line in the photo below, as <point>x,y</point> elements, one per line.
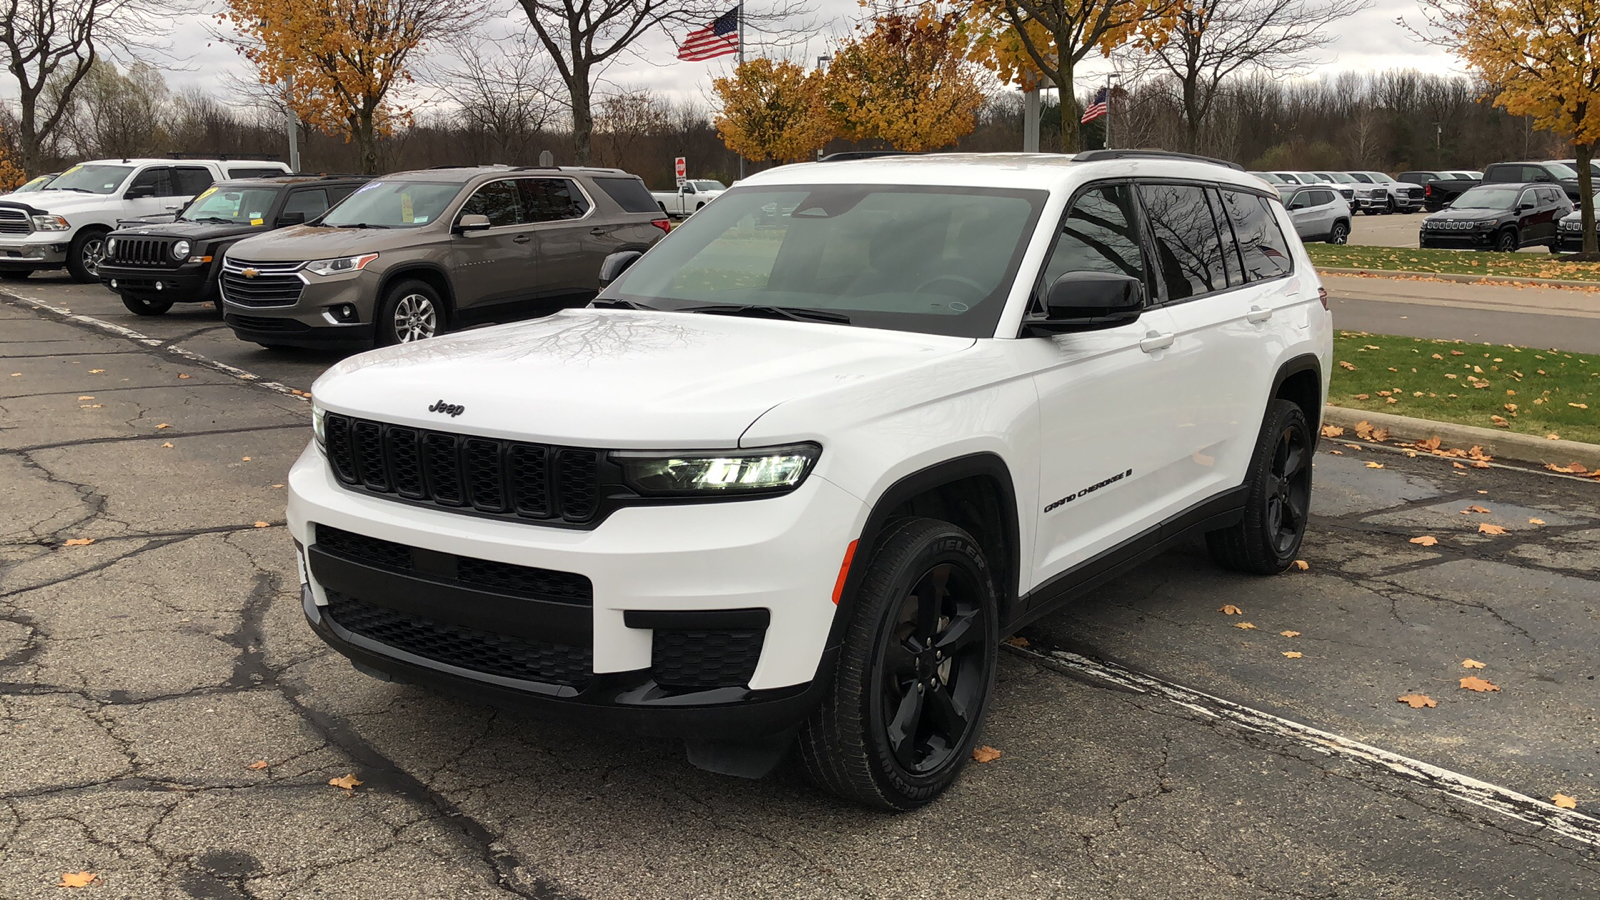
<point>156,344</point>
<point>1541,814</point>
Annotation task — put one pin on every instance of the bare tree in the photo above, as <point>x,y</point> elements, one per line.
<point>1214,40</point>
<point>118,113</point>
<point>53,44</point>
<point>508,93</point>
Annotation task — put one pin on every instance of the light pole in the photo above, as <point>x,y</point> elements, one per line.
<point>1109,79</point>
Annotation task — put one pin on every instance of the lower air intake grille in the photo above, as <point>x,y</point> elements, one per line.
<point>705,659</point>
<point>465,648</point>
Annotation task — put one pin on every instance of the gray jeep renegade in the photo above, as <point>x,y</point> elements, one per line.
<point>414,254</point>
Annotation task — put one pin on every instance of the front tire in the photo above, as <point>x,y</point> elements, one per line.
<point>145,306</point>
<point>411,312</point>
<point>908,694</point>
<point>1507,241</point>
<point>1340,233</point>
<point>84,255</point>
<point>1277,501</point>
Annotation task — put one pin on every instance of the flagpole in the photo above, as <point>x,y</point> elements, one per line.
<point>741,64</point>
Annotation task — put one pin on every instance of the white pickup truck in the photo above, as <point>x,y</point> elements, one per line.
<point>65,223</point>
<point>695,193</point>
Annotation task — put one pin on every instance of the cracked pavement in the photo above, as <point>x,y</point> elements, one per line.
<point>142,674</point>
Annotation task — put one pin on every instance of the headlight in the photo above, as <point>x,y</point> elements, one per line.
<point>340,265</point>
<point>180,249</point>
<point>50,223</point>
<point>764,470</point>
<point>319,428</point>
<point>111,246</point>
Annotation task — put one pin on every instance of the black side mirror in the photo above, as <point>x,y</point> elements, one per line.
<point>614,265</point>
<point>139,192</point>
<point>472,222</point>
<point>290,218</point>
<point>1524,206</point>
<point>1089,301</point>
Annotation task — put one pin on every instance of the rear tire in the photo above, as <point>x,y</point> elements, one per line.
<point>908,693</point>
<point>1277,501</point>
<point>84,255</point>
<point>145,306</point>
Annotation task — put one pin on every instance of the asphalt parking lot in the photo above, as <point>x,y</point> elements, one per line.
<point>171,725</point>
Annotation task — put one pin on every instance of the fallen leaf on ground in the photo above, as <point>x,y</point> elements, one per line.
<point>1380,434</point>
<point>1458,465</point>
<point>1457,353</point>
<point>162,425</point>
<point>1418,701</point>
<point>1230,610</point>
<point>1473,509</point>
<point>87,397</point>
<point>1245,625</point>
<point>1017,641</point>
<point>1345,365</point>
<point>1302,565</point>
<point>985,754</point>
<point>167,445</point>
<point>1287,633</point>
<point>1471,664</point>
<point>1327,430</point>
<point>246,459</point>
<point>1552,437</point>
<point>1426,540</point>
<point>77,879</point>
<point>1293,654</point>
<point>263,524</point>
<point>91,405</point>
<point>1564,802</point>
<point>1569,469</point>
<point>1486,528</point>
<point>181,375</point>
<point>1430,444</point>
<point>1474,683</point>
<point>1364,430</point>
<point>91,371</point>
<point>79,542</point>
<point>258,765</point>
<point>1535,521</point>
<point>1374,465</point>
<point>347,784</point>
<point>277,485</point>
<point>1578,405</point>
<point>1500,421</point>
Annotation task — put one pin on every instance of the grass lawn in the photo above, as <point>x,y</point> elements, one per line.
<point>1539,392</point>
<point>1457,262</point>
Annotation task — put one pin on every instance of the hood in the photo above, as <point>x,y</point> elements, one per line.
<point>64,203</point>
<point>620,379</point>
<point>1467,215</point>
<point>298,243</point>
<point>192,231</point>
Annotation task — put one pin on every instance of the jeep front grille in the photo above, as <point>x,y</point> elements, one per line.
<point>246,283</point>
<point>488,476</point>
<point>143,252</point>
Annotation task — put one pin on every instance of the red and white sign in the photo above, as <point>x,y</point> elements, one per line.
<point>681,166</point>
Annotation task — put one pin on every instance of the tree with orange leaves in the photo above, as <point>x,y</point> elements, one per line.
<point>1543,59</point>
<point>906,81</point>
<point>1031,42</point>
<point>773,110</point>
<point>337,62</point>
<point>11,174</point>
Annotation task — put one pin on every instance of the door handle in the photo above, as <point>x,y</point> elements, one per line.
<point>1257,315</point>
<point>1155,340</point>
<point>599,232</point>
<point>522,239</point>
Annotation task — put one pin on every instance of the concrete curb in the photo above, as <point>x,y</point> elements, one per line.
<point>1463,279</point>
<point>1503,445</point>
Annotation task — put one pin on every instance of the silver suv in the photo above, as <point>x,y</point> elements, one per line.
<point>415,254</point>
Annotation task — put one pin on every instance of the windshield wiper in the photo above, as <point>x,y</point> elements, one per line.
<point>618,303</point>
<point>218,219</point>
<point>358,225</point>
<point>78,190</point>
<point>798,314</point>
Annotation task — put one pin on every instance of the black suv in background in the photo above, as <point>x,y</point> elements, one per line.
<point>152,266</point>
<point>1504,217</point>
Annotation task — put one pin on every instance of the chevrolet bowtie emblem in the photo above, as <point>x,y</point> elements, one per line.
<point>250,273</point>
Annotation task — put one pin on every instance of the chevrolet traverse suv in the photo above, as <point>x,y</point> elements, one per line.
<point>412,255</point>
<point>790,478</point>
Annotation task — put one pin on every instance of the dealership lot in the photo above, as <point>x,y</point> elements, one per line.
<point>146,672</point>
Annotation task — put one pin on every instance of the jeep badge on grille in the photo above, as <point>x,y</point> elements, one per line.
<point>450,409</point>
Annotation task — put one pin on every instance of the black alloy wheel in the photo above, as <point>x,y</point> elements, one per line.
<point>908,694</point>
<point>1340,233</point>
<point>1278,497</point>
<point>1507,241</point>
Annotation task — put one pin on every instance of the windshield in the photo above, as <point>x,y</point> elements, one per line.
<point>393,204</point>
<point>1271,177</point>
<point>34,185</point>
<point>708,185</point>
<point>1487,198</point>
<point>238,206</point>
<point>1375,177</point>
<point>1341,177</point>
<point>936,260</point>
<point>90,179</point>
<point>1561,171</point>
<point>1309,178</point>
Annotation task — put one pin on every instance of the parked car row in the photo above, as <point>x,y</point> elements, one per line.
<point>1503,217</point>
<point>1442,188</point>
<point>1368,192</point>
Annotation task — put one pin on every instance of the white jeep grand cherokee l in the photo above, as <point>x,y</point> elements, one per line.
<point>790,479</point>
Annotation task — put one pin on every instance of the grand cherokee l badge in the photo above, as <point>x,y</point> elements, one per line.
<point>450,409</point>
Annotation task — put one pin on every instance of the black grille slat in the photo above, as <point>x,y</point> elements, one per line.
<point>466,648</point>
<point>481,474</point>
<point>14,221</point>
<point>489,575</point>
<point>262,323</point>
<point>145,252</point>
<point>361,548</point>
<point>699,658</point>
<point>484,477</point>
<point>265,289</point>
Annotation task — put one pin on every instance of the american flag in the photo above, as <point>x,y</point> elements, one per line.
<point>1096,109</point>
<point>717,39</point>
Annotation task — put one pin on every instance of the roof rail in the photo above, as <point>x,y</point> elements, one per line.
<point>847,156</point>
<point>224,157</point>
<point>1100,155</point>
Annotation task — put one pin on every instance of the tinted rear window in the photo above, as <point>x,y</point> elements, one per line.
<point>630,194</point>
<point>1187,246</point>
<point>1261,241</point>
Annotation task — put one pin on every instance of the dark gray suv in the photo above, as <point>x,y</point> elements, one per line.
<point>415,254</point>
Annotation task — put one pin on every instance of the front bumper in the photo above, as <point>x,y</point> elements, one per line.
<point>187,284</point>
<point>307,321</point>
<point>1569,241</point>
<point>1460,240</point>
<point>16,253</point>
<point>697,587</point>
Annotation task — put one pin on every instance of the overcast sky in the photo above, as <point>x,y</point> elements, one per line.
<point>1369,40</point>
